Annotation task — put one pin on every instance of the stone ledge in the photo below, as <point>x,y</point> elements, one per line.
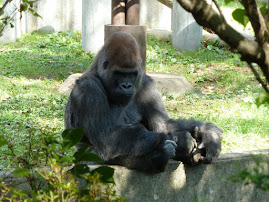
<point>192,183</point>
<point>187,183</point>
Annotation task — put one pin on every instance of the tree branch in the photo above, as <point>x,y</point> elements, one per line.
<point>258,77</point>
<point>257,21</point>
<point>3,7</point>
<point>206,16</point>
<point>260,28</point>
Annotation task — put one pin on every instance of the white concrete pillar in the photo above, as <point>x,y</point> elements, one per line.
<point>186,33</point>
<point>155,15</point>
<point>95,14</point>
<point>20,24</point>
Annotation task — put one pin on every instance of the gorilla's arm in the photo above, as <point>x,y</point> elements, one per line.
<point>130,145</point>
<point>188,133</point>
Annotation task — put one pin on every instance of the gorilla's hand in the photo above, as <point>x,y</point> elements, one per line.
<point>208,137</point>
<point>186,145</point>
<point>170,148</point>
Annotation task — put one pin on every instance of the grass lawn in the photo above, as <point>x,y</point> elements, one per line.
<point>32,69</point>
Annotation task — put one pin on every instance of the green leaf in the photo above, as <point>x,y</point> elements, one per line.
<point>106,174</point>
<point>240,16</point>
<point>23,7</point>
<point>262,99</point>
<point>72,137</point>
<point>263,9</point>
<point>80,169</point>
<point>227,1</point>
<point>65,159</point>
<point>21,172</point>
<point>3,141</point>
<point>216,42</point>
<point>84,154</point>
<point>37,15</point>
<point>219,51</point>
<point>209,47</point>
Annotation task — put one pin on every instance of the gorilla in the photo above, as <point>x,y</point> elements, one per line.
<point>124,118</point>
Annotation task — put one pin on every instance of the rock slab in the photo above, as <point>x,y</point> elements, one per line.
<point>171,84</point>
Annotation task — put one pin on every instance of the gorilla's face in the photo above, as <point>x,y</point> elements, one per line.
<point>122,84</point>
<point>120,68</point>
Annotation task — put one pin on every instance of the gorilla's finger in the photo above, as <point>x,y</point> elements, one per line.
<point>170,150</point>
<point>195,143</point>
<point>201,146</point>
<point>171,142</point>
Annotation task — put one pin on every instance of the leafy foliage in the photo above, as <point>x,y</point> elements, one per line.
<point>55,180</point>
<point>240,16</point>
<point>263,99</point>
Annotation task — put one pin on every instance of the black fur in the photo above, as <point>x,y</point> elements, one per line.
<point>125,119</point>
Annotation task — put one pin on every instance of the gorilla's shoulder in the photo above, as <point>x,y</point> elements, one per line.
<point>147,86</point>
<point>87,81</point>
<point>146,80</point>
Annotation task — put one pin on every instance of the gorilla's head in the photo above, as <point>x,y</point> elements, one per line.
<point>119,68</point>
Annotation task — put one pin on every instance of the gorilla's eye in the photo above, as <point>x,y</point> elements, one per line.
<point>105,64</point>
<point>135,73</point>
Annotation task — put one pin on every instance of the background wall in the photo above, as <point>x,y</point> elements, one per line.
<point>63,15</point>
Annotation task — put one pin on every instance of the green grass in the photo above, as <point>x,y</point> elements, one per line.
<point>45,56</point>
<point>32,69</point>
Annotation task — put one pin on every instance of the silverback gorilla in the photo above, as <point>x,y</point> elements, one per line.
<point>125,119</point>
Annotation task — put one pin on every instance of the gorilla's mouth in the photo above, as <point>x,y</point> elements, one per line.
<point>122,99</point>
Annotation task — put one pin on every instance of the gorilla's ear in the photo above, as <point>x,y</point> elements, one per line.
<point>105,64</point>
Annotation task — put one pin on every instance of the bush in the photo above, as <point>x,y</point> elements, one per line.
<point>55,173</point>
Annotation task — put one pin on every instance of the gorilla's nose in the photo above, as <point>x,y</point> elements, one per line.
<point>126,86</point>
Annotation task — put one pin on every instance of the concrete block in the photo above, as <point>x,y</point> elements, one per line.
<point>187,34</point>
<point>172,84</point>
<point>192,183</point>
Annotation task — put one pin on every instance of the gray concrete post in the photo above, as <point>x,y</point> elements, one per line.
<point>95,14</point>
<point>187,34</point>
